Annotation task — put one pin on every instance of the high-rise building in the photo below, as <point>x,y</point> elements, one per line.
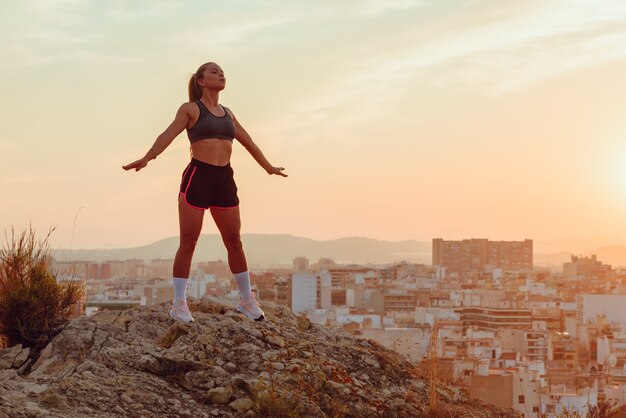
<point>466,257</point>
<point>303,292</point>
<point>300,264</point>
<point>314,291</point>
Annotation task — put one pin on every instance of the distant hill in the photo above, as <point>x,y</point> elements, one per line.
<point>266,250</point>
<point>274,250</point>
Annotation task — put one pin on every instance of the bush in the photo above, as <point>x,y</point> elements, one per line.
<point>33,306</point>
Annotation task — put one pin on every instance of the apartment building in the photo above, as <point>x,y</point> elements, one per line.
<point>494,318</point>
<point>466,257</point>
<point>586,268</point>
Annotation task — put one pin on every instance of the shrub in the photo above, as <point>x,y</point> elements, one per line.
<point>270,403</point>
<point>33,306</point>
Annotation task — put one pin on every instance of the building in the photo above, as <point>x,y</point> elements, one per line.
<point>563,351</point>
<point>397,300</point>
<point>494,318</point>
<point>613,307</point>
<point>467,257</point>
<point>161,269</point>
<point>586,268</point>
<point>508,389</point>
<point>412,343</point>
<point>303,292</point>
<point>536,342</point>
<point>300,264</point>
<point>283,291</point>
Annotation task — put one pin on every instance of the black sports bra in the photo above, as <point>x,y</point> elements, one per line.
<point>209,126</point>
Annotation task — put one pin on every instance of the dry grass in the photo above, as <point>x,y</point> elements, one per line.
<point>296,402</point>
<point>33,306</point>
<point>268,402</point>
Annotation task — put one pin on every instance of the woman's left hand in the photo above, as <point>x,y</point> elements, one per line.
<point>277,171</point>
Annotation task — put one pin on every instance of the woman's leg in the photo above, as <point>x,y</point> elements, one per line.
<point>229,224</point>
<point>190,222</point>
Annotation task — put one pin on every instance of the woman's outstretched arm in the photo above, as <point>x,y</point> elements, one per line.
<point>165,139</point>
<point>244,138</point>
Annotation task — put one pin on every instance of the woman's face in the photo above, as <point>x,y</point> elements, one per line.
<point>213,77</point>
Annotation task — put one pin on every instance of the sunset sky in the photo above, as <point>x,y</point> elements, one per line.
<point>395,119</point>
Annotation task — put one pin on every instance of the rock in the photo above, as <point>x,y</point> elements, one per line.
<point>219,372</point>
<point>219,395</point>
<point>242,384</point>
<point>242,405</point>
<point>303,322</point>
<point>113,364</point>
<point>254,332</point>
<point>174,402</point>
<point>248,347</point>
<point>372,362</point>
<point>36,388</point>
<point>8,356</point>
<point>21,358</point>
<point>148,363</point>
<point>204,339</point>
<point>276,340</point>
<point>278,366</point>
<point>197,380</point>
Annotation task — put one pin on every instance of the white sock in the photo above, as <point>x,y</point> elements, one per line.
<point>243,282</point>
<point>180,288</point>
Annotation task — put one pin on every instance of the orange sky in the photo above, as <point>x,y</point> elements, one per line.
<point>394,119</point>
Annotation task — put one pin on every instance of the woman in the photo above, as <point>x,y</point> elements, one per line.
<point>207,183</point>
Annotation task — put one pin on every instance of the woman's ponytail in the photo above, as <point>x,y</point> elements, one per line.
<point>195,92</point>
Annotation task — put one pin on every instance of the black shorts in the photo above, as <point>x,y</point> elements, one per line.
<point>209,186</point>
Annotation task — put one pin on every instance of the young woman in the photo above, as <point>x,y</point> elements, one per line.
<point>207,183</point>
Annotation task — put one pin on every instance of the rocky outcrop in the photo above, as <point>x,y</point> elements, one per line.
<point>139,363</point>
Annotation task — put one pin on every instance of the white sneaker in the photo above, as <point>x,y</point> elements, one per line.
<point>251,308</point>
<point>180,311</point>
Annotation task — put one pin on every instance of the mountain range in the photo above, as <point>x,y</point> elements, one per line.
<point>265,250</point>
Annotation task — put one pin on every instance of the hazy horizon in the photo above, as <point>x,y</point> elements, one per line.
<point>265,251</point>
<point>395,120</point>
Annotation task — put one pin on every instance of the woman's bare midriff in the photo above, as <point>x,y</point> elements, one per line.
<point>212,151</point>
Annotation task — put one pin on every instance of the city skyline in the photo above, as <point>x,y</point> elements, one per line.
<point>268,250</point>
<point>395,120</point>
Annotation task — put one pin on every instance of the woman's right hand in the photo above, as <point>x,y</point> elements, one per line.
<point>137,165</point>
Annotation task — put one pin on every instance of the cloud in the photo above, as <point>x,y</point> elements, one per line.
<point>377,7</point>
<point>542,43</point>
<point>488,54</point>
